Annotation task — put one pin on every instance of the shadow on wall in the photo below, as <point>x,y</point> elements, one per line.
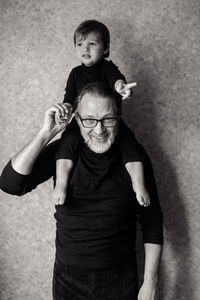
<point>176,278</point>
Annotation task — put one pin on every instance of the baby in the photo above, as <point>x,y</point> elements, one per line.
<point>92,45</point>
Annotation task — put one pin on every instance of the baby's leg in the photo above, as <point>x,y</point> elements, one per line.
<point>132,153</point>
<point>63,169</point>
<point>136,172</point>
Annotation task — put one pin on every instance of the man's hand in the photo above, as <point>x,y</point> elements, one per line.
<point>56,118</point>
<point>148,292</point>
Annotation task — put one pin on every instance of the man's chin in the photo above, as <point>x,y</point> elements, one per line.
<point>99,147</point>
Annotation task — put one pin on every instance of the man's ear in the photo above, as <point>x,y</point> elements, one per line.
<point>77,119</point>
<point>106,50</point>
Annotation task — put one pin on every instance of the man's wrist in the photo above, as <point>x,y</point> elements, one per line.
<point>45,136</point>
<point>151,280</point>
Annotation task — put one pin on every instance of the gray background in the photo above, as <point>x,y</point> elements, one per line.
<point>155,43</point>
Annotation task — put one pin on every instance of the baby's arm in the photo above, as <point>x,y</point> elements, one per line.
<point>117,80</point>
<point>63,170</point>
<point>124,89</point>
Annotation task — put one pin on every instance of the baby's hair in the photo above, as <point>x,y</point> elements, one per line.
<point>89,26</point>
<point>99,89</point>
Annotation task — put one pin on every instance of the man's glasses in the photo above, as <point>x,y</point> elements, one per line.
<point>105,122</point>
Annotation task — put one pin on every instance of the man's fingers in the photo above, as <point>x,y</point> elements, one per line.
<point>61,112</point>
<point>56,109</point>
<point>68,105</point>
<point>63,109</point>
<point>68,108</point>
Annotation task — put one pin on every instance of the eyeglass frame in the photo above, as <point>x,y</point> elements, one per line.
<point>97,121</point>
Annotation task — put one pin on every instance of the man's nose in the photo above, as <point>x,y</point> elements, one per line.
<point>99,129</point>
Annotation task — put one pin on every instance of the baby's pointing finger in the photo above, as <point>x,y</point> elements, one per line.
<point>131,85</point>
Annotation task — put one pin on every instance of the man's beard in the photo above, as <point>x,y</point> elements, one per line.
<point>99,147</point>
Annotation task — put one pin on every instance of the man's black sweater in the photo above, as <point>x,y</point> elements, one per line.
<point>96,225</point>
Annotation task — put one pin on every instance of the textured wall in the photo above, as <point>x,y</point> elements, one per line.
<point>155,43</point>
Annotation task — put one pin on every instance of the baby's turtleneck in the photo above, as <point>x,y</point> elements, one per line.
<point>90,69</point>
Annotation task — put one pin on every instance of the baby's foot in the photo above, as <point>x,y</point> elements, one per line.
<point>142,197</point>
<point>59,196</point>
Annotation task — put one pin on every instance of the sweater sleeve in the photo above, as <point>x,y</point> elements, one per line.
<point>15,183</point>
<point>112,74</point>
<point>151,217</point>
<point>70,90</point>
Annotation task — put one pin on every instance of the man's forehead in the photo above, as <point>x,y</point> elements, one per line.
<point>96,105</point>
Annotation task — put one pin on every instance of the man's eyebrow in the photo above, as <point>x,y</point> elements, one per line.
<point>109,115</point>
<point>87,117</point>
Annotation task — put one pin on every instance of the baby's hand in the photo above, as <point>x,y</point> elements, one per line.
<point>126,90</point>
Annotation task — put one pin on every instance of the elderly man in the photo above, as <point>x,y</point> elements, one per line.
<point>96,226</point>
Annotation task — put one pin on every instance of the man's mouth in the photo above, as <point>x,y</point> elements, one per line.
<point>100,138</point>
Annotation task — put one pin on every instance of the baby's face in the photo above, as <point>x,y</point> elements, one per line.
<point>90,49</point>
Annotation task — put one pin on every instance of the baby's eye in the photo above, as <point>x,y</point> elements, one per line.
<point>78,44</point>
<point>93,44</point>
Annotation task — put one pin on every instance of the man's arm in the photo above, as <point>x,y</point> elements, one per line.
<point>151,220</point>
<point>55,120</point>
<point>149,288</point>
<point>35,162</point>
